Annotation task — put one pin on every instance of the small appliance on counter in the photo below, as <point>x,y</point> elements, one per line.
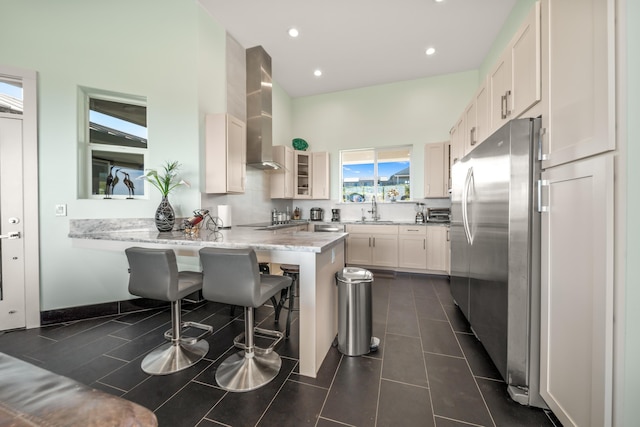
<point>438,214</point>
<point>224,213</point>
<point>419,213</point>
<point>297,213</point>
<point>335,215</point>
<point>317,214</point>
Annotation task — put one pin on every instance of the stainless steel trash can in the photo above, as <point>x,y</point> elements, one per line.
<point>354,311</point>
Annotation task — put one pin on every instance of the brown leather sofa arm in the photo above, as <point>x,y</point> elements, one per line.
<point>32,396</point>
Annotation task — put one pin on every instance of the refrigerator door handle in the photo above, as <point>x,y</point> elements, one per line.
<point>465,202</point>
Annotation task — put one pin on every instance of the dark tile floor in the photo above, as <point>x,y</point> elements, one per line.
<point>429,370</point>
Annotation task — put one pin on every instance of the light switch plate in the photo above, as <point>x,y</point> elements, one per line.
<point>61,210</point>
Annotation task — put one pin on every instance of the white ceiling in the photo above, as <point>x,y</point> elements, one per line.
<point>360,43</point>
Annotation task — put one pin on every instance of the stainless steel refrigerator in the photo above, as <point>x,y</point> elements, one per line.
<point>495,252</point>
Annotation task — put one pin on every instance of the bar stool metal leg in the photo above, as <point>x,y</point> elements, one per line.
<point>177,354</point>
<point>248,370</point>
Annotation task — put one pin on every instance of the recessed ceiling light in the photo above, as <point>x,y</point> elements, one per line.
<point>439,1</point>
<point>293,32</point>
<point>317,73</point>
<point>430,51</point>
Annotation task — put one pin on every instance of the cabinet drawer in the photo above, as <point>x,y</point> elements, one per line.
<point>414,230</point>
<point>372,229</point>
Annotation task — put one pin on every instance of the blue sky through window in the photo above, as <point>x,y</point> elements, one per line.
<point>117,124</point>
<point>11,90</point>
<point>365,170</point>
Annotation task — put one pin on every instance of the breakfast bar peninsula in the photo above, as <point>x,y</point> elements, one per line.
<point>319,255</point>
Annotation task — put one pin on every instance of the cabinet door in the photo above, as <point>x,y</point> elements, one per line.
<point>437,248</point>
<point>525,64</point>
<point>302,175</point>
<point>359,249</point>
<point>471,129</point>
<point>482,114</point>
<point>282,180</point>
<point>320,171</point>
<point>236,155</point>
<point>225,154</point>
<point>581,80</point>
<point>457,143</point>
<point>576,337</point>
<point>435,170</point>
<point>412,251</point>
<point>385,250</point>
<point>500,92</point>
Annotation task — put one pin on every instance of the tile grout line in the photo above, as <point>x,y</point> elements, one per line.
<point>466,361</point>
<point>386,323</point>
<point>424,360</point>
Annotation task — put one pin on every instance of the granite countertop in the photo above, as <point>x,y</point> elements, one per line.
<point>142,231</point>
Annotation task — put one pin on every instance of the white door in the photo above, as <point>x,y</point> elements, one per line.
<point>12,272</point>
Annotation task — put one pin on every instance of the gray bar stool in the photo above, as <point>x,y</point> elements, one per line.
<point>154,274</point>
<point>232,276</point>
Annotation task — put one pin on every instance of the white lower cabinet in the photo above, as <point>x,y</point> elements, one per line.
<point>412,245</point>
<point>416,248</point>
<point>372,245</point>
<point>438,245</point>
<point>576,336</point>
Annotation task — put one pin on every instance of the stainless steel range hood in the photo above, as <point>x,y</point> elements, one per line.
<point>259,119</point>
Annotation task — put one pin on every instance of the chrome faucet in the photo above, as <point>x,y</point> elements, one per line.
<point>374,209</point>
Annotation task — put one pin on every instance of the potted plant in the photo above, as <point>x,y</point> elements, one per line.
<point>165,182</point>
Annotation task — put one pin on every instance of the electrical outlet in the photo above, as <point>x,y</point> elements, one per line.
<point>61,210</point>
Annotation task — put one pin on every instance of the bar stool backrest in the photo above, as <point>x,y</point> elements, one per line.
<point>231,276</point>
<point>154,273</point>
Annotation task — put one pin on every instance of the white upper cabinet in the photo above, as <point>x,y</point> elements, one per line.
<point>320,175</point>
<point>470,122</point>
<point>476,119</point>
<point>525,64</point>
<point>499,82</point>
<point>581,119</point>
<point>436,170</point>
<point>225,154</point>
<point>302,175</point>
<point>282,180</point>
<point>457,141</point>
<point>481,100</point>
<point>514,82</point>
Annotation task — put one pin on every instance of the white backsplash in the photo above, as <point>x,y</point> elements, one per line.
<point>255,205</point>
<point>398,211</point>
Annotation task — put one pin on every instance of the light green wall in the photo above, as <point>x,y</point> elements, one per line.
<point>516,17</point>
<point>412,112</point>
<point>167,51</point>
<point>631,407</point>
<point>282,111</point>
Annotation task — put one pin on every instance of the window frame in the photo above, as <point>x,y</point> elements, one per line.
<point>86,147</point>
<point>380,197</point>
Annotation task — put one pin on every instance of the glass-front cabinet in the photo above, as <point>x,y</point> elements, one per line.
<point>302,175</point>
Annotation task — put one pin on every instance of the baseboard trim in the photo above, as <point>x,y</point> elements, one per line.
<point>71,314</point>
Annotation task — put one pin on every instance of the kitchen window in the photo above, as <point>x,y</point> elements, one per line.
<point>380,173</point>
<point>114,142</point>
